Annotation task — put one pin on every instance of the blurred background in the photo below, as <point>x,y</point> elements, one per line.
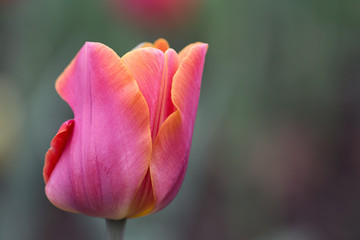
<point>276,147</point>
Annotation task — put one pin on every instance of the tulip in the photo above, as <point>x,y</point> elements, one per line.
<point>126,151</point>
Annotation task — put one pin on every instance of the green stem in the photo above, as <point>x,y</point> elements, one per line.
<point>115,229</point>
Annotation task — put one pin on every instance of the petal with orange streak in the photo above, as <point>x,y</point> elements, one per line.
<point>107,156</point>
<point>172,145</point>
<point>143,202</point>
<point>147,66</point>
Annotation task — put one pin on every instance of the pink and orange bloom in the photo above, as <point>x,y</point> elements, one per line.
<point>126,151</point>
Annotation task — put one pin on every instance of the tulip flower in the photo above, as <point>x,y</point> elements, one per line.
<point>126,151</point>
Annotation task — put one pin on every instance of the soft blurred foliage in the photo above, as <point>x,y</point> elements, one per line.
<point>275,151</point>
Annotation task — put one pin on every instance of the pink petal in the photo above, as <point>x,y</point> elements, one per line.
<point>173,142</point>
<point>154,78</point>
<point>108,154</point>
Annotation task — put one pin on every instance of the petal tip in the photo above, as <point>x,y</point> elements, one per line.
<point>203,46</point>
<point>161,44</point>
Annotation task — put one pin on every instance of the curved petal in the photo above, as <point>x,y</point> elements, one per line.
<point>108,154</point>
<point>147,66</point>
<point>56,147</point>
<point>172,145</point>
<point>184,52</point>
<point>165,105</point>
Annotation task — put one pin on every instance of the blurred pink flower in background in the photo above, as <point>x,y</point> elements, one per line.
<point>126,151</point>
<point>158,14</point>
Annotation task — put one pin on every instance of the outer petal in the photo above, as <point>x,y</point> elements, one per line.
<point>172,145</point>
<point>56,147</point>
<point>107,156</point>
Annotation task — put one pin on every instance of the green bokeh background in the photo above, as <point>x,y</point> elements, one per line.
<point>276,147</point>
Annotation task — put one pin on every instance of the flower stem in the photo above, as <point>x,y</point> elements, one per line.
<point>115,229</point>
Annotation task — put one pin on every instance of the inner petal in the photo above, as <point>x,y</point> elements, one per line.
<point>154,71</point>
<point>165,106</point>
<point>161,44</point>
<point>143,201</point>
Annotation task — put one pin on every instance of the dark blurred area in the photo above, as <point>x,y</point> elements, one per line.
<point>276,146</point>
